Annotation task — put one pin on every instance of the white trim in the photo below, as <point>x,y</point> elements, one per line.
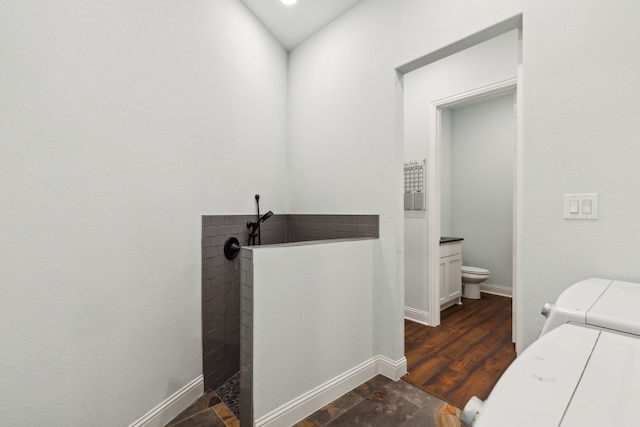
<point>433,220</point>
<point>490,288</point>
<point>435,189</point>
<point>478,93</point>
<point>518,303</point>
<point>173,405</point>
<point>390,368</point>
<point>418,316</point>
<point>512,23</point>
<point>306,404</point>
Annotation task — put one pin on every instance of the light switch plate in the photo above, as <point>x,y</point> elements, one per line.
<point>587,204</point>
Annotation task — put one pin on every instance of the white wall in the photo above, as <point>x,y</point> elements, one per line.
<point>483,146</point>
<point>311,323</point>
<point>122,123</point>
<point>493,61</point>
<point>581,127</point>
<point>446,228</point>
<point>580,99</point>
<point>345,131</point>
<point>416,297</point>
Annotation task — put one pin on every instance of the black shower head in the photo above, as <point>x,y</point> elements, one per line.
<point>254,226</point>
<point>266,216</point>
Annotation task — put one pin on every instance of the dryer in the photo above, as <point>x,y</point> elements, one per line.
<point>602,303</point>
<point>584,369</point>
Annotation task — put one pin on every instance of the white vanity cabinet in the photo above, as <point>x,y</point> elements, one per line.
<point>450,274</point>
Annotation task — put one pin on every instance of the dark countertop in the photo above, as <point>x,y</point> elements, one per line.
<point>444,240</point>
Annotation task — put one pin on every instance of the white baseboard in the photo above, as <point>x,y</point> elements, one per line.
<point>504,291</point>
<point>417,316</point>
<point>390,368</point>
<point>173,405</point>
<point>305,405</point>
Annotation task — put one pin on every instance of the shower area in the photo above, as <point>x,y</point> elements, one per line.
<point>224,340</point>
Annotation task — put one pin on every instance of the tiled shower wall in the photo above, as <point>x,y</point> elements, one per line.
<point>304,228</point>
<point>221,277</point>
<point>246,338</point>
<point>221,292</point>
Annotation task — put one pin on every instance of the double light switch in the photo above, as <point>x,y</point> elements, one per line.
<point>581,206</point>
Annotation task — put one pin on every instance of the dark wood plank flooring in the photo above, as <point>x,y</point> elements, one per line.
<point>464,356</point>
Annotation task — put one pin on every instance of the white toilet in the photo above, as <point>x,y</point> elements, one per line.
<point>471,279</point>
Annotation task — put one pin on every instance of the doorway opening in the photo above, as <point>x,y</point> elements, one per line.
<point>472,195</point>
<point>433,94</point>
<point>473,186</point>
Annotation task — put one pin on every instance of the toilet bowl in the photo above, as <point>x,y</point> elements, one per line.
<point>471,279</point>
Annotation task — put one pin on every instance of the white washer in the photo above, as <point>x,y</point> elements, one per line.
<point>574,376</point>
<point>603,303</point>
<point>581,372</point>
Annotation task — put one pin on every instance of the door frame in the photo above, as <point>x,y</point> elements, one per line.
<point>435,196</point>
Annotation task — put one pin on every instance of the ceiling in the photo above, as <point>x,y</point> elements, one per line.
<point>291,25</point>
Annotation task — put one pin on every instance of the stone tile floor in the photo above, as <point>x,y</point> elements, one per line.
<point>379,402</point>
<point>219,408</point>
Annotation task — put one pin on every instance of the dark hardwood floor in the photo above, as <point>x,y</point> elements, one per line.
<point>464,356</point>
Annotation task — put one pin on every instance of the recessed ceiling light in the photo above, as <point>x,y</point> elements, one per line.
<point>289,2</point>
